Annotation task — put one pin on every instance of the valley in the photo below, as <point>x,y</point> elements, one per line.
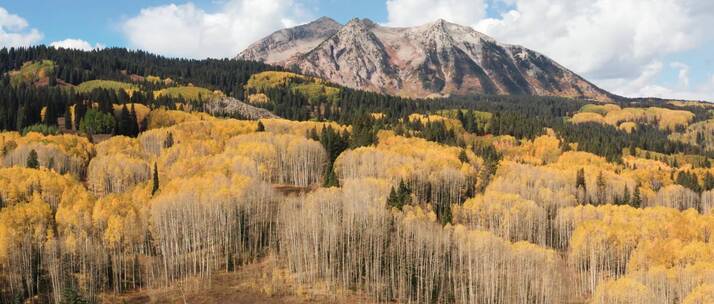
<point>329,163</point>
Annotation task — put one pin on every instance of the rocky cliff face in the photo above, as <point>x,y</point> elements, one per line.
<point>286,43</point>
<point>435,59</point>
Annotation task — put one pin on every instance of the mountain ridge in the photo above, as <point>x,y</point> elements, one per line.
<point>436,59</point>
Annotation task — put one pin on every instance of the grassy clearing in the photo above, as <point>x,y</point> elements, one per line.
<point>88,86</point>
<point>32,71</point>
<point>313,88</point>
<point>187,92</point>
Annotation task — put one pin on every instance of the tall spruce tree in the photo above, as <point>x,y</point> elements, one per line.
<point>32,161</point>
<point>155,180</point>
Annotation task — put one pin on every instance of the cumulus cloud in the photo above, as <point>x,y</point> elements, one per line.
<point>646,85</point>
<point>683,74</point>
<point>619,45</point>
<point>14,31</point>
<point>77,44</point>
<point>418,12</point>
<point>604,39</point>
<point>186,30</point>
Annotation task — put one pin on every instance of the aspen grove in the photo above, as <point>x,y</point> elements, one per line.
<point>91,222</point>
<point>115,185</point>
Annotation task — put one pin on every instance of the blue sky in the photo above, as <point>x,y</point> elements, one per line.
<point>100,21</point>
<point>659,48</point>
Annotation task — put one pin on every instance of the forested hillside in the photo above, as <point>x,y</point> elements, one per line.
<point>119,176</point>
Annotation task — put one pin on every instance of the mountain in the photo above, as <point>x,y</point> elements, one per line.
<point>285,43</point>
<point>432,60</point>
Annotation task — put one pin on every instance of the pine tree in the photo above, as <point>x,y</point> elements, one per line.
<point>133,122</point>
<point>50,115</point>
<point>404,193</point>
<point>393,199</point>
<point>67,118</point>
<point>444,214</point>
<point>124,123</point>
<point>462,157</point>
<point>688,180</point>
<point>169,141</point>
<point>20,122</point>
<point>71,296</point>
<point>32,161</point>
<point>626,196</point>
<point>601,188</point>
<point>708,181</point>
<point>313,134</point>
<point>331,178</point>
<point>155,184</point>
<point>400,196</point>
<point>580,179</point>
<point>636,199</point>
<point>260,128</point>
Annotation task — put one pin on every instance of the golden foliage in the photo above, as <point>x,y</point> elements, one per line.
<point>432,170</point>
<point>644,244</point>
<point>665,119</point>
<point>141,110</point>
<point>601,109</point>
<point>32,71</point>
<point>116,173</point>
<point>699,133</point>
<point>271,79</point>
<point>22,226</point>
<point>283,159</point>
<point>551,188</point>
<point>703,294</point>
<point>18,185</point>
<point>623,291</point>
<point>88,86</point>
<point>584,117</point>
<point>63,153</point>
<point>258,99</point>
<point>165,118</point>
<point>189,93</point>
<point>506,215</point>
<point>300,128</point>
<point>450,123</point>
<point>628,126</point>
<point>542,150</point>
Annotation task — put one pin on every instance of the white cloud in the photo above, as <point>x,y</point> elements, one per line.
<point>604,39</point>
<point>77,44</point>
<point>616,44</point>
<point>683,74</point>
<point>14,31</point>
<point>418,12</point>
<point>188,31</point>
<point>645,84</point>
<point>640,85</point>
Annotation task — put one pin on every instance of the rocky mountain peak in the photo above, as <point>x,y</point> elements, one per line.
<point>324,20</point>
<point>285,44</point>
<point>439,58</point>
<point>361,24</point>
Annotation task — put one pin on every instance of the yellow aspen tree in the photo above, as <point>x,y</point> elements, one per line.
<point>506,215</point>
<point>703,294</point>
<point>24,232</point>
<point>676,196</point>
<point>116,173</point>
<point>623,291</point>
<point>289,159</point>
